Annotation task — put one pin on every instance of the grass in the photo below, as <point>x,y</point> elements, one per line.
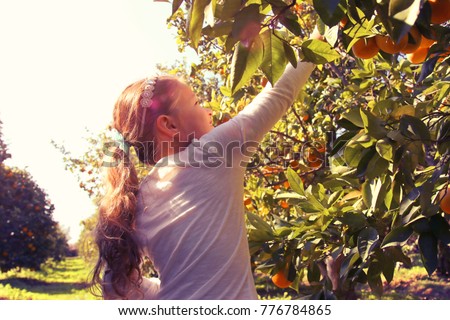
<point>68,280</point>
<point>65,280</point>
<point>413,284</point>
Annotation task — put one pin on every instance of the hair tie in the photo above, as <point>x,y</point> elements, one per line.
<point>123,144</point>
<point>146,99</point>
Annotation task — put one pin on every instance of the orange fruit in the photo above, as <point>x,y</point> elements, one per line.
<point>284,204</point>
<point>286,184</point>
<point>414,41</point>
<point>280,279</point>
<point>418,56</point>
<point>426,42</point>
<point>247,201</point>
<point>386,44</point>
<point>365,48</point>
<point>294,164</point>
<point>444,200</point>
<point>440,11</point>
<point>343,22</point>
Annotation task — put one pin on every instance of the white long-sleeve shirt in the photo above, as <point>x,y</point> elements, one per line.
<point>190,213</point>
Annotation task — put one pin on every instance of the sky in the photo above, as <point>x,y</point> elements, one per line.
<point>62,66</point>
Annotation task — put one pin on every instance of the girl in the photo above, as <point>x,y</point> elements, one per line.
<point>187,214</point>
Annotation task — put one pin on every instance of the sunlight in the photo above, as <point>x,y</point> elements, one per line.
<point>64,65</point>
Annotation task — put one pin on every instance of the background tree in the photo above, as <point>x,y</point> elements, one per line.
<point>28,234</point>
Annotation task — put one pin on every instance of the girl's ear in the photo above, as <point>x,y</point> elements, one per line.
<point>166,125</point>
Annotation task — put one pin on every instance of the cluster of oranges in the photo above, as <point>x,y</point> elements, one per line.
<point>415,45</point>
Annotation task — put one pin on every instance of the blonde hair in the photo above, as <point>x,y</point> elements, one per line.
<point>118,249</point>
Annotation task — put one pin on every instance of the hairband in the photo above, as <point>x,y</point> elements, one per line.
<point>123,144</point>
<point>146,99</point>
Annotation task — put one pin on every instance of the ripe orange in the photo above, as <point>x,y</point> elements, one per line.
<point>414,41</point>
<point>280,279</point>
<point>284,204</point>
<point>343,22</point>
<point>294,164</point>
<point>365,48</point>
<point>386,44</point>
<point>426,42</point>
<point>444,200</point>
<point>440,11</point>
<point>418,56</point>
<point>247,201</point>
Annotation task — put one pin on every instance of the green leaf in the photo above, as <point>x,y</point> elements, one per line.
<point>397,237</point>
<point>388,265</point>
<point>414,128</point>
<point>291,23</point>
<point>440,228</point>
<point>352,154</point>
<point>373,125</point>
<point>354,116</point>
<point>245,63</point>
<point>247,24</point>
<point>290,54</point>
<point>329,11</point>
<point>318,51</point>
<point>195,21</point>
<point>376,167</point>
<point>420,225</point>
<point>274,59</point>
<point>384,149</point>
<point>218,30</point>
<point>228,9</point>
<point>367,241</point>
<point>355,221</point>
<point>295,181</point>
<point>428,251</point>
<point>262,232</point>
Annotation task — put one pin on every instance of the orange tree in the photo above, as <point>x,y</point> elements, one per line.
<point>355,167</point>
<point>28,234</point>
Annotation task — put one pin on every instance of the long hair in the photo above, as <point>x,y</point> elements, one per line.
<point>119,253</point>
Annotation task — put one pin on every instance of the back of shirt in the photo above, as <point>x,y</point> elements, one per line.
<point>192,227</point>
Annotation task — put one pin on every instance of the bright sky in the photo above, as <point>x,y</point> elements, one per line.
<point>63,63</point>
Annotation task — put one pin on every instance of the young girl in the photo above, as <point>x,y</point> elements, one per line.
<point>187,214</point>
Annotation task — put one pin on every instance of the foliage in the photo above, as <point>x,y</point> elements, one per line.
<point>28,234</point>
<point>341,217</point>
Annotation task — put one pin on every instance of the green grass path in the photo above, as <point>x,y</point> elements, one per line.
<point>66,280</point>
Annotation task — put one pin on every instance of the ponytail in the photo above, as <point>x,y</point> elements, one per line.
<point>119,253</point>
